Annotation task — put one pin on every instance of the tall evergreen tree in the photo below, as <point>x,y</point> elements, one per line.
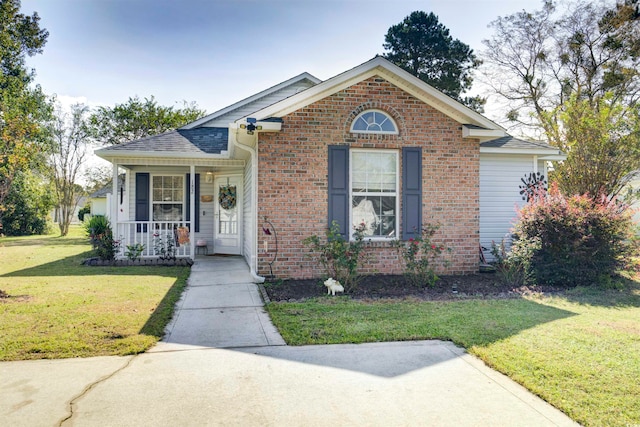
<point>421,45</point>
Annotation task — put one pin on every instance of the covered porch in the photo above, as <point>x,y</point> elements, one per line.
<point>179,210</point>
<point>185,192</point>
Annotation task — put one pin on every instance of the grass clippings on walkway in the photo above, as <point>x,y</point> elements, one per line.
<point>58,308</point>
<point>579,350</point>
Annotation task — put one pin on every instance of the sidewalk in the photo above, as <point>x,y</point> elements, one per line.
<point>220,308</point>
<point>223,363</point>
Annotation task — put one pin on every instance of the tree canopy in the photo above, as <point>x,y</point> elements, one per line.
<point>23,109</point>
<point>137,119</point>
<point>569,73</point>
<point>421,45</point>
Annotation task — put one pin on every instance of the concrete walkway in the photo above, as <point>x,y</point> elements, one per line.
<point>223,363</point>
<point>220,308</point>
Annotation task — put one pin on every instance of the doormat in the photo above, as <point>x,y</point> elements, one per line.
<point>221,255</point>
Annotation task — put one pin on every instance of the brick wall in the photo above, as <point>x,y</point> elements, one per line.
<point>292,177</point>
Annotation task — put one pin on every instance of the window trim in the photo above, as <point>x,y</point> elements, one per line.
<point>395,193</point>
<point>153,202</point>
<point>382,132</point>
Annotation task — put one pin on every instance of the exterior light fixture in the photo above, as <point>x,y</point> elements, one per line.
<point>250,126</point>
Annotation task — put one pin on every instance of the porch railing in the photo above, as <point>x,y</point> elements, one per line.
<point>160,239</point>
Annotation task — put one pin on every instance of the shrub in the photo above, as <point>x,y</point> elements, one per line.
<point>339,257</point>
<point>511,267</point>
<point>133,252</point>
<point>100,235</point>
<point>420,255</point>
<point>164,244</point>
<point>570,241</point>
<point>82,212</point>
<point>27,206</point>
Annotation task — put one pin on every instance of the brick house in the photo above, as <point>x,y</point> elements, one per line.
<point>373,144</point>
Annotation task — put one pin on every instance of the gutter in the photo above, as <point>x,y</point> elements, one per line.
<point>531,151</point>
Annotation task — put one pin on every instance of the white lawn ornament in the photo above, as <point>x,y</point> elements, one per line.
<point>333,286</point>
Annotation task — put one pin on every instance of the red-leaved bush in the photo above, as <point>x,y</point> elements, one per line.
<point>570,241</point>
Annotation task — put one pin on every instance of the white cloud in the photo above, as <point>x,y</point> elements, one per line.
<point>66,101</point>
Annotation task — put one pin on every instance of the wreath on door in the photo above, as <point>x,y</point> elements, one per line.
<point>227,197</point>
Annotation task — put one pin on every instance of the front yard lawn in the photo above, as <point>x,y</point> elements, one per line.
<point>58,308</point>
<point>578,350</point>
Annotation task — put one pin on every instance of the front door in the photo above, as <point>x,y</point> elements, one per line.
<point>227,231</point>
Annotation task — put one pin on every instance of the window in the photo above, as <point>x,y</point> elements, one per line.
<point>373,121</point>
<point>167,198</point>
<point>374,191</point>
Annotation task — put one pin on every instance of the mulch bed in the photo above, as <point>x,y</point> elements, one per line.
<point>447,288</point>
<point>97,262</point>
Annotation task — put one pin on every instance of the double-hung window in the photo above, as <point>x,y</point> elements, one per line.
<point>364,184</point>
<point>374,191</point>
<point>168,197</point>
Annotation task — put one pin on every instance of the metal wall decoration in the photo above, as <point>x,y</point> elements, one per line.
<point>532,183</point>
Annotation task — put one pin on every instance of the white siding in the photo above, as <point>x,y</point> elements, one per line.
<point>500,197</point>
<point>99,206</point>
<point>206,210</point>
<point>258,104</point>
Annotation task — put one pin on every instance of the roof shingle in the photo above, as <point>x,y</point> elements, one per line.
<point>511,142</point>
<point>204,140</point>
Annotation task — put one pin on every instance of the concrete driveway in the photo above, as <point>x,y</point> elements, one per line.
<point>223,363</point>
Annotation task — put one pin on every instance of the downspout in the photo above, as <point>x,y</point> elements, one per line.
<point>253,265</point>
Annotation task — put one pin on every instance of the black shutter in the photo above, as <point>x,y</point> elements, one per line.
<point>197,195</point>
<point>411,192</point>
<point>339,187</point>
<point>142,198</point>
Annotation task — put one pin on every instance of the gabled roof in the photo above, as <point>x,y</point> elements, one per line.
<point>299,78</point>
<point>107,189</point>
<point>379,66</point>
<point>181,142</point>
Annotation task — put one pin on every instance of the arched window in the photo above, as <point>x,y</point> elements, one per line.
<point>374,121</point>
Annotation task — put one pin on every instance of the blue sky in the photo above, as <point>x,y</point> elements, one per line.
<point>218,52</point>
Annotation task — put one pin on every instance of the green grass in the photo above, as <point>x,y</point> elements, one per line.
<point>579,351</point>
<point>58,308</point>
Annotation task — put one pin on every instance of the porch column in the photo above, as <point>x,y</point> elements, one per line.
<point>192,209</point>
<point>113,211</point>
<point>535,164</point>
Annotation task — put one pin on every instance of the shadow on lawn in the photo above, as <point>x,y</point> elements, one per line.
<point>625,294</point>
<point>464,323</point>
<point>161,316</point>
